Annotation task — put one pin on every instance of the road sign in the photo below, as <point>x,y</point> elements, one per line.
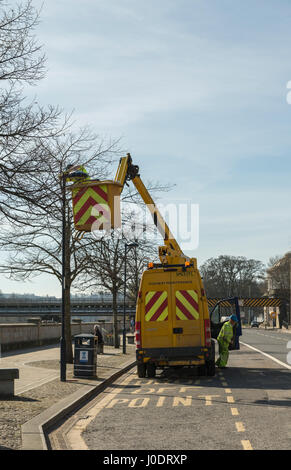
<point>273,315</point>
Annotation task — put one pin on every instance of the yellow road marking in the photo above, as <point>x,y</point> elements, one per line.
<point>184,389</point>
<point>184,401</point>
<point>117,400</point>
<point>74,436</point>
<point>144,402</point>
<point>161,401</point>
<point>164,388</point>
<point>141,390</point>
<point>246,445</point>
<point>208,399</point>
<point>230,399</point>
<point>227,390</point>
<point>240,427</point>
<point>234,412</point>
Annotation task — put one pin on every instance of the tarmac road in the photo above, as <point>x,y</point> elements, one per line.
<point>272,342</point>
<point>246,406</point>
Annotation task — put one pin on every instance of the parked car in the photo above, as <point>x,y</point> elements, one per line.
<point>255,324</point>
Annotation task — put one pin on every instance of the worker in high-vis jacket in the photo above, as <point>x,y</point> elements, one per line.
<point>77,173</point>
<point>224,339</point>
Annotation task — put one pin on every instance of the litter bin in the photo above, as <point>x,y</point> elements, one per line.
<point>85,358</point>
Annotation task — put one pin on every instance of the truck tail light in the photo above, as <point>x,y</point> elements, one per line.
<point>137,335</point>
<point>207,330</point>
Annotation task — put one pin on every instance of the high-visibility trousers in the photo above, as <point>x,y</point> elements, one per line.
<point>223,354</point>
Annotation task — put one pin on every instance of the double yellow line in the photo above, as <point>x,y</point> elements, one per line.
<point>234,411</point>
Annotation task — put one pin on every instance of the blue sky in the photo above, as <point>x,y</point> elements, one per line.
<point>198,91</point>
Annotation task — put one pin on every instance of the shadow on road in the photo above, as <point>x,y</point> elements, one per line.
<point>258,378</point>
<point>285,403</point>
<point>236,377</point>
<point>16,352</point>
<point>18,398</point>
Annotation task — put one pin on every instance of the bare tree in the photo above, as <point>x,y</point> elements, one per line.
<point>146,251</point>
<point>104,268</point>
<point>106,260</point>
<point>23,124</point>
<point>228,276</point>
<point>33,233</point>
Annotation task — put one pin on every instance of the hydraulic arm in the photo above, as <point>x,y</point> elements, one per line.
<point>170,252</point>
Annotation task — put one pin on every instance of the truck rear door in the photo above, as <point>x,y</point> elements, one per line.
<point>187,314</point>
<point>216,321</point>
<point>156,320</point>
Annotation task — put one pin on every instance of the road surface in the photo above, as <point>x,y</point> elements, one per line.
<point>246,406</point>
<point>271,342</point>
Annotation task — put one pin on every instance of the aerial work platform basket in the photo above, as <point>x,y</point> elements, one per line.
<point>96,205</point>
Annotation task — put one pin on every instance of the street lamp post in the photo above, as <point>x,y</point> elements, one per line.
<point>249,307</point>
<point>63,338</point>
<point>127,247</point>
<point>72,171</point>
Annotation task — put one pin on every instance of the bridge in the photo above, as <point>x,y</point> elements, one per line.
<point>20,307</point>
<point>248,302</point>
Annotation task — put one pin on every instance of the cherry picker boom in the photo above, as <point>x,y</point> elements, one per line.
<point>173,326</point>
<point>171,252</point>
<point>172,318</point>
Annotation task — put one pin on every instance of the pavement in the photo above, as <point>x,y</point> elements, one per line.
<point>41,399</point>
<point>30,376</point>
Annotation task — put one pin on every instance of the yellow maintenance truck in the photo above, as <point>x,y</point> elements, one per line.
<point>172,326</point>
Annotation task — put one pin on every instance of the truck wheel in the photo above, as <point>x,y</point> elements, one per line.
<point>202,371</point>
<point>151,370</point>
<point>141,370</point>
<point>210,368</point>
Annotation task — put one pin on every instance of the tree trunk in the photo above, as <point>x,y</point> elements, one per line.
<point>115,322</point>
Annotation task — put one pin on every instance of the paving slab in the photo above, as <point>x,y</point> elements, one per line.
<point>33,432</point>
<point>40,396</point>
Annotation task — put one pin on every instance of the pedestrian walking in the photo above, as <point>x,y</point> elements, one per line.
<point>224,339</point>
<point>98,333</point>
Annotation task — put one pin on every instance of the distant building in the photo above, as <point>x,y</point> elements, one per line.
<point>279,285</point>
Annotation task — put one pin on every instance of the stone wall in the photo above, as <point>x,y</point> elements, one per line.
<point>21,335</point>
